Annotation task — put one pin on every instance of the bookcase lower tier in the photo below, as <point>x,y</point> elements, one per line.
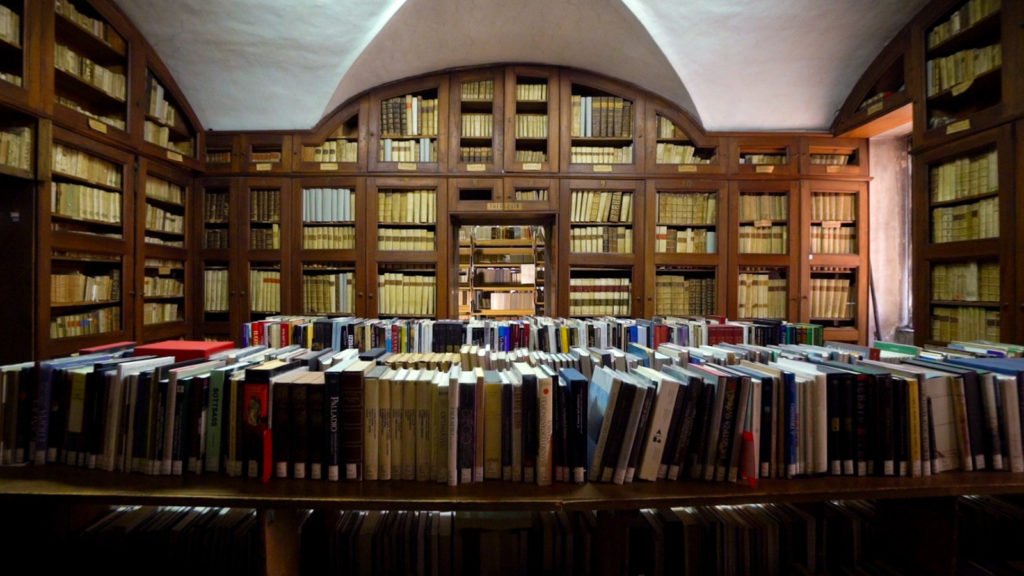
<point>938,524</point>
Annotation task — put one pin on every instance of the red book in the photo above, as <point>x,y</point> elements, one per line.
<point>183,349</point>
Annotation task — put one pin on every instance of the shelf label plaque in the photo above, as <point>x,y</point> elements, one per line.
<point>875,108</point>
<point>328,166</point>
<point>174,156</point>
<point>687,168</point>
<point>475,167</point>
<point>531,166</point>
<point>97,126</point>
<point>602,167</point>
<point>407,166</point>
<point>764,169</point>
<point>958,126</point>
<point>264,167</point>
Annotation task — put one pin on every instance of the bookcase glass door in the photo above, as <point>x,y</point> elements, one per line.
<point>501,269</point>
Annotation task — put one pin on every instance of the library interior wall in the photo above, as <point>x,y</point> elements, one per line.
<point>889,253</point>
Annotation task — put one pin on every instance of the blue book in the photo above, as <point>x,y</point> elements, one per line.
<point>1008,366</point>
<point>576,423</point>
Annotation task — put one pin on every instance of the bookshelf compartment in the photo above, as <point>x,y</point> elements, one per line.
<point>163,292</point>
<point>763,223</point>
<point>17,146</point>
<point>530,194</point>
<point>687,222</point>
<point>600,292</point>
<point>600,123</point>
<point>12,44</point>
<point>164,221</point>
<point>477,121</point>
<point>833,296</point>
<point>328,289</point>
<point>601,221</point>
<point>406,220</point>
<point>86,193</point>
<point>222,152</point>
<point>762,293</point>
<point>90,67</point>
<point>85,294</point>
<point>216,288</point>
<point>409,127</point>
<point>531,140</point>
<point>216,218</point>
<point>264,289</point>
<point>340,147</point>
<point>406,290</point>
<point>675,150</point>
<point>166,125</point>
<point>476,195</point>
<point>265,219</point>
<point>504,271</point>
<point>266,153</point>
<point>685,290</point>
<point>834,223</point>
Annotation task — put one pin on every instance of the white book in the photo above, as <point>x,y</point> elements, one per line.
<point>409,399</point>
<point>660,419</point>
<point>386,423</point>
<point>371,428</point>
<point>424,442</point>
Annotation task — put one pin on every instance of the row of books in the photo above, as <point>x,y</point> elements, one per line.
<point>16,147</point>
<point>688,208</point>
<point>830,299</point>
<point>161,136</point>
<point>499,276</point>
<point>159,107</point>
<point>153,239</point>
<point>332,151</point>
<point>771,239</point>
<point>764,207</point>
<point>600,117</point>
<point>487,300</point>
<point>526,92</point>
<point>966,281</point>
<point>682,295</point>
<point>476,125</point>
<point>403,294</point>
<point>957,71</point>
<point>668,129</point>
<point>762,295</point>
<point>160,220</point>
<point>81,165</point>
<point>535,333</point>
<point>418,150</point>
<point>831,159</point>
<point>16,80</point>
<point>162,286</point>
<point>964,177</point>
<point>969,14</point>
<point>833,240</point>
<point>407,206</point>
<point>106,80</point>
<point>531,156</point>
<point>265,291</point>
<point>328,292</point>
<point>601,154</point>
<point>531,125</point>
<point>833,206</point>
<point>76,287</point>
<point>764,159</point>
<point>476,154</point>
<point>327,238</point>
<point>98,321</point>
<point>265,205</point>
<point>94,26</point>
<point>216,207</point>
<point>611,240</point>
<point>161,313</point>
<point>477,91</point>
<point>83,202</point>
<point>216,238</point>
<point>669,240</point>
<point>115,119</point>
<point>669,153</point>
<point>962,222</point>
<point>535,195</point>
<point>216,290</point>
<point>601,206</point>
<point>328,205</point>
<point>409,115</point>
<point>964,323</point>
<point>160,189</point>
<point>600,296</point>
<point>265,156</point>
<point>265,238</point>
<point>405,239</point>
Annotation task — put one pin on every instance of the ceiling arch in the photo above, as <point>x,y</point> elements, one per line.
<point>733,65</point>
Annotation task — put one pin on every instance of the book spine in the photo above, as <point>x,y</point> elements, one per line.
<point>215,415</point>
<point>578,390</point>
<point>371,429</point>
<point>453,429</point>
<point>492,431</point>
<point>424,431</point>
<point>409,412</point>
<point>317,431</point>
<point>332,424</point>
<point>467,431</point>
<point>545,421</point>
<point>299,431</point>
<point>281,427</point>
<point>351,425</point>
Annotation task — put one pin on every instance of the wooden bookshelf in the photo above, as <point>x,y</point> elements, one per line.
<point>834,157</point>
<point>215,240</point>
<point>477,121</point>
<point>20,53</point>
<point>163,222</point>
<point>222,153</point>
<point>601,122</point>
<point>266,153</point>
<point>677,145</point>
<point>532,129</point>
<point>954,101</point>
<point>964,240</point>
<point>168,128</point>
<point>764,156</point>
<point>882,99</point>
<point>337,144</point>
<point>405,137</point>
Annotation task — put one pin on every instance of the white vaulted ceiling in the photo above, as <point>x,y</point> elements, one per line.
<point>751,65</point>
